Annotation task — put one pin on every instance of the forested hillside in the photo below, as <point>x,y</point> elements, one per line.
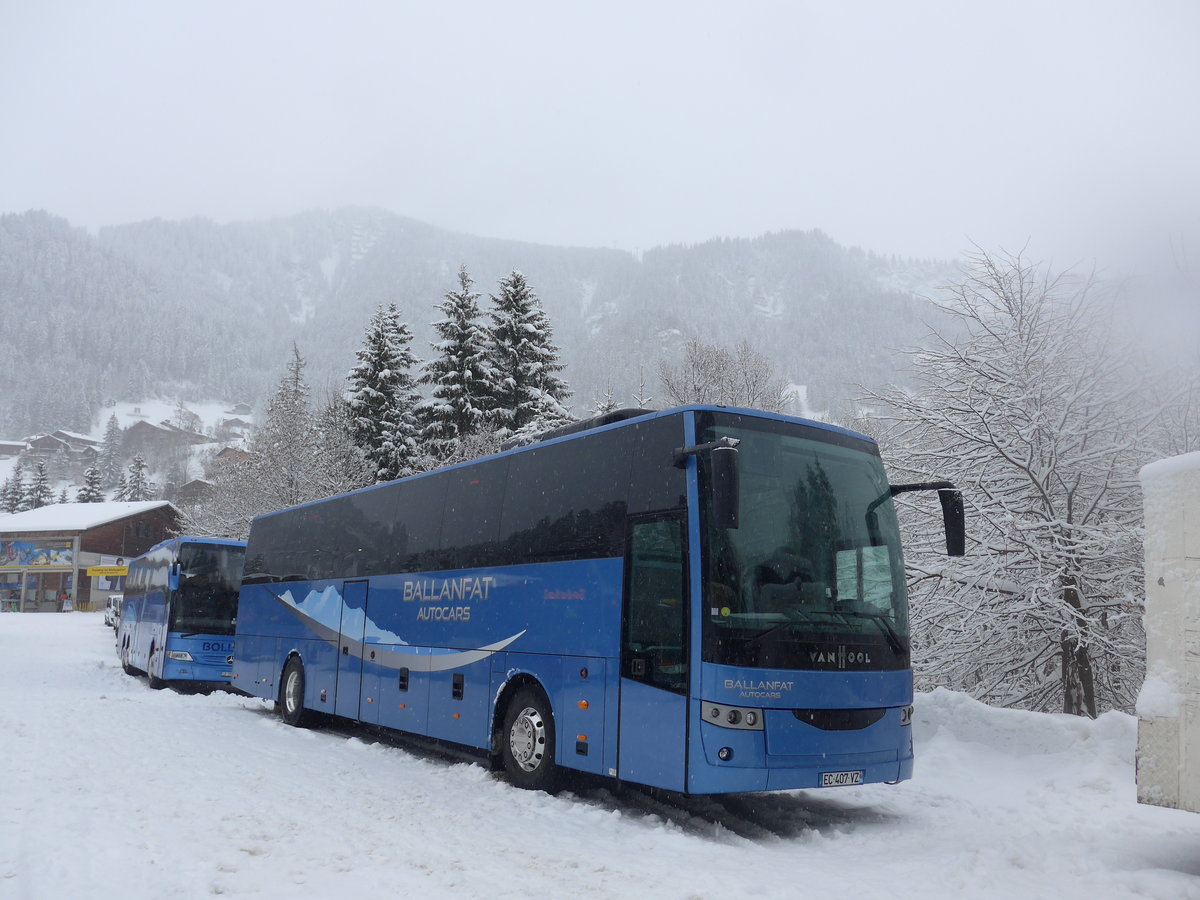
<point>193,310</point>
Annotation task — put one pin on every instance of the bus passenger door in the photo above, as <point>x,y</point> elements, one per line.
<point>654,654</point>
<point>350,649</point>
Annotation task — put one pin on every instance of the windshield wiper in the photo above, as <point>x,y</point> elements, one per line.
<point>772,630</point>
<point>893,637</point>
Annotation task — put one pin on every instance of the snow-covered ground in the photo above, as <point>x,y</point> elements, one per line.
<point>110,789</point>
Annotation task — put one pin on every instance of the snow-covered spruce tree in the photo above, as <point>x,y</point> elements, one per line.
<point>1022,402</point>
<point>527,394</point>
<point>382,397</point>
<point>12,495</point>
<point>121,488</point>
<point>709,373</point>
<point>112,451</point>
<point>39,493</point>
<point>92,491</point>
<point>458,373</point>
<point>138,486</point>
<point>287,463</point>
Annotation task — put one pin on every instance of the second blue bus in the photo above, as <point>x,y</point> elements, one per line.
<point>177,617</point>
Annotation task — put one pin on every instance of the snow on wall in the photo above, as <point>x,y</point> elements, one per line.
<point>1168,770</point>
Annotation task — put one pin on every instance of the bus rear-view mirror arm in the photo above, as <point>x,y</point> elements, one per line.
<point>726,483</point>
<point>953,517</point>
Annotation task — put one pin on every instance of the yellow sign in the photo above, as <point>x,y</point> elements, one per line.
<point>107,571</point>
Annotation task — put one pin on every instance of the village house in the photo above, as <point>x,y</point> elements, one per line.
<point>45,553</point>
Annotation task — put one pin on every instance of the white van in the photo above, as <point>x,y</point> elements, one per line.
<point>112,612</point>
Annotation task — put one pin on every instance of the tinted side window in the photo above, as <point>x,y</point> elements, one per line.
<point>471,521</point>
<point>418,528</point>
<point>266,548</point>
<point>567,500</point>
<point>655,482</point>
<point>313,553</point>
<point>359,527</point>
<point>308,551</point>
<point>135,582</point>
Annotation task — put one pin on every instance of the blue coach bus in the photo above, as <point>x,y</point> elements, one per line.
<point>706,600</point>
<point>179,608</point>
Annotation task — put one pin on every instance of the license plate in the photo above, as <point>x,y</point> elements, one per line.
<point>837,779</point>
<point>226,674</point>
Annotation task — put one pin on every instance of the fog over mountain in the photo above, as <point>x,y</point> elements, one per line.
<point>193,310</point>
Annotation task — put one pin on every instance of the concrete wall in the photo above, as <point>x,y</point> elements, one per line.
<point>1168,755</point>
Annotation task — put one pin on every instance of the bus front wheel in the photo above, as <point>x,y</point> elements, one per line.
<point>291,694</point>
<point>527,743</point>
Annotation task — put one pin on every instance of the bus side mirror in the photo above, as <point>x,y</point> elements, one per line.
<point>726,487</point>
<point>953,517</point>
<point>173,577</point>
<point>955,522</point>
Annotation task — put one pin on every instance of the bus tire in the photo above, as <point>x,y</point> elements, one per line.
<point>291,695</point>
<point>125,664</point>
<point>156,683</point>
<point>527,742</point>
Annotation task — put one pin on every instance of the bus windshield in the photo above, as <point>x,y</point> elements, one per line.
<point>209,578</point>
<point>812,577</point>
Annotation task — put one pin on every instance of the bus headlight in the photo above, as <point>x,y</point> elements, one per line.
<point>181,655</point>
<point>732,716</point>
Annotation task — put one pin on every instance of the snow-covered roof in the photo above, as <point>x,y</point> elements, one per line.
<point>75,516</point>
<point>74,436</point>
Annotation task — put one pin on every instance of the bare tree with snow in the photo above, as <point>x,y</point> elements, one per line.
<point>709,373</point>
<point>1024,403</point>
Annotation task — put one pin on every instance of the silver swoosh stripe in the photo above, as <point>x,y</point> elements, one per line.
<point>436,662</point>
<point>413,660</point>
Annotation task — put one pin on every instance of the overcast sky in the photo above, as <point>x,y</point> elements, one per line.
<point>902,127</point>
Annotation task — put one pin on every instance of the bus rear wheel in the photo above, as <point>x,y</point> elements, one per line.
<point>527,742</point>
<point>156,683</point>
<point>125,664</point>
<point>291,695</point>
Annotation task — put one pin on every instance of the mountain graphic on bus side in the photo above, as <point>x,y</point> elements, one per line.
<point>418,659</point>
